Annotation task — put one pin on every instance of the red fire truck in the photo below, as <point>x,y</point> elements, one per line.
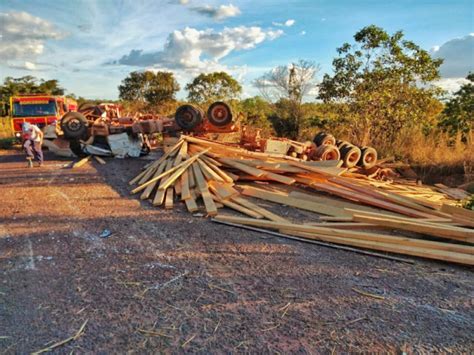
<point>39,109</point>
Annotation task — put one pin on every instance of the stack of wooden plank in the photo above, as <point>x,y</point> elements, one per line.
<point>356,212</point>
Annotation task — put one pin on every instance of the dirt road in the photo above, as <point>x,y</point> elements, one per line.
<point>165,280</point>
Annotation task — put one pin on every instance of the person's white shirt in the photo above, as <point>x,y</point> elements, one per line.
<point>35,134</point>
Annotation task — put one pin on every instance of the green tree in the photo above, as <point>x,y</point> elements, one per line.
<point>148,87</point>
<point>257,110</point>
<point>217,86</point>
<point>383,82</point>
<point>287,86</point>
<point>458,114</point>
<point>28,85</point>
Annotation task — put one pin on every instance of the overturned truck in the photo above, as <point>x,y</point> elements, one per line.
<point>102,130</point>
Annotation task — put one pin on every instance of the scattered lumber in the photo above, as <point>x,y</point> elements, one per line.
<point>351,210</point>
<point>408,246</point>
<point>81,162</point>
<point>99,160</point>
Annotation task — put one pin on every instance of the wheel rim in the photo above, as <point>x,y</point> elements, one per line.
<point>74,125</point>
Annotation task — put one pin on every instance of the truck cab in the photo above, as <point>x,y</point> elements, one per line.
<point>38,109</point>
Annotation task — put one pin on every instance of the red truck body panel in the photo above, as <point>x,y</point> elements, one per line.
<point>56,107</point>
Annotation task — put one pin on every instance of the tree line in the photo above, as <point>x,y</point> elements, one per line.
<point>380,91</point>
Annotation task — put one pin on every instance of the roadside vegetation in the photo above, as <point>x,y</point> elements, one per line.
<point>381,93</point>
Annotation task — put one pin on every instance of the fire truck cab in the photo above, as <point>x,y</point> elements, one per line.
<point>39,109</point>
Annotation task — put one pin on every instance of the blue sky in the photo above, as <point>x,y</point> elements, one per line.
<point>90,46</point>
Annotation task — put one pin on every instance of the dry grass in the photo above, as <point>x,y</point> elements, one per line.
<point>434,149</point>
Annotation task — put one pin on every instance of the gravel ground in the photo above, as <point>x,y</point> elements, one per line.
<point>166,281</point>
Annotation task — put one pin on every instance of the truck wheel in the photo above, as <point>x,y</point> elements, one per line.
<point>74,125</point>
<point>350,156</point>
<point>368,158</point>
<point>188,117</point>
<point>325,139</point>
<point>328,152</point>
<point>340,143</point>
<point>219,114</point>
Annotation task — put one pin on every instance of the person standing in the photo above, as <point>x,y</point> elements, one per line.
<point>32,142</point>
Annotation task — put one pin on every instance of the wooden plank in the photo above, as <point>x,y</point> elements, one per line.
<point>185,193</point>
<point>209,204</point>
<point>222,191</point>
<point>191,205</point>
<point>156,164</point>
<point>159,197</point>
<point>239,208</point>
<point>183,151</point>
<point>265,213</point>
<point>463,221</point>
<point>343,204</point>
<point>325,163</point>
<point>169,198</point>
<point>224,175</point>
<point>179,171</point>
<point>210,160</point>
<point>347,225</point>
<point>290,201</point>
<point>458,211</point>
<point>353,195</point>
<point>208,172</point>
<point>435,220</point>
<point>100,160</point>
<point>280,178</point>
<point>353,235</point>
<point>81,162</point>
<point>149,189</point>
<point>185,163</point>
<point>200,181</point>
<point>384,195</point>
<point>439,230</point>
<point>242,167</point>
<point>327,171</point>
<point>177,186</point>
<point>441,255</point>
<point>161,193</point>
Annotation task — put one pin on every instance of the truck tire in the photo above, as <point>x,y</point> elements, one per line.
<point>350,155</point>
<point>74,125</point>
<point>219,114</point>
<point>328,152</point>
<point>188,117</point>
<point>340,143</point>
<point>368,157</point>
<point>325,139</point>
<point>318,136</point>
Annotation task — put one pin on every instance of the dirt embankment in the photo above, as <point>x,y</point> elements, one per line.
<point>166,280</point>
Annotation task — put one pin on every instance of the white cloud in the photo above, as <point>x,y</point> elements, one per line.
<point>23,65</point>
<point>458,55</point>
<point>23,36</point>
<point>191,49</point>
<point>451,84</point>
<point>219,13</point>
<point>287,23</point>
